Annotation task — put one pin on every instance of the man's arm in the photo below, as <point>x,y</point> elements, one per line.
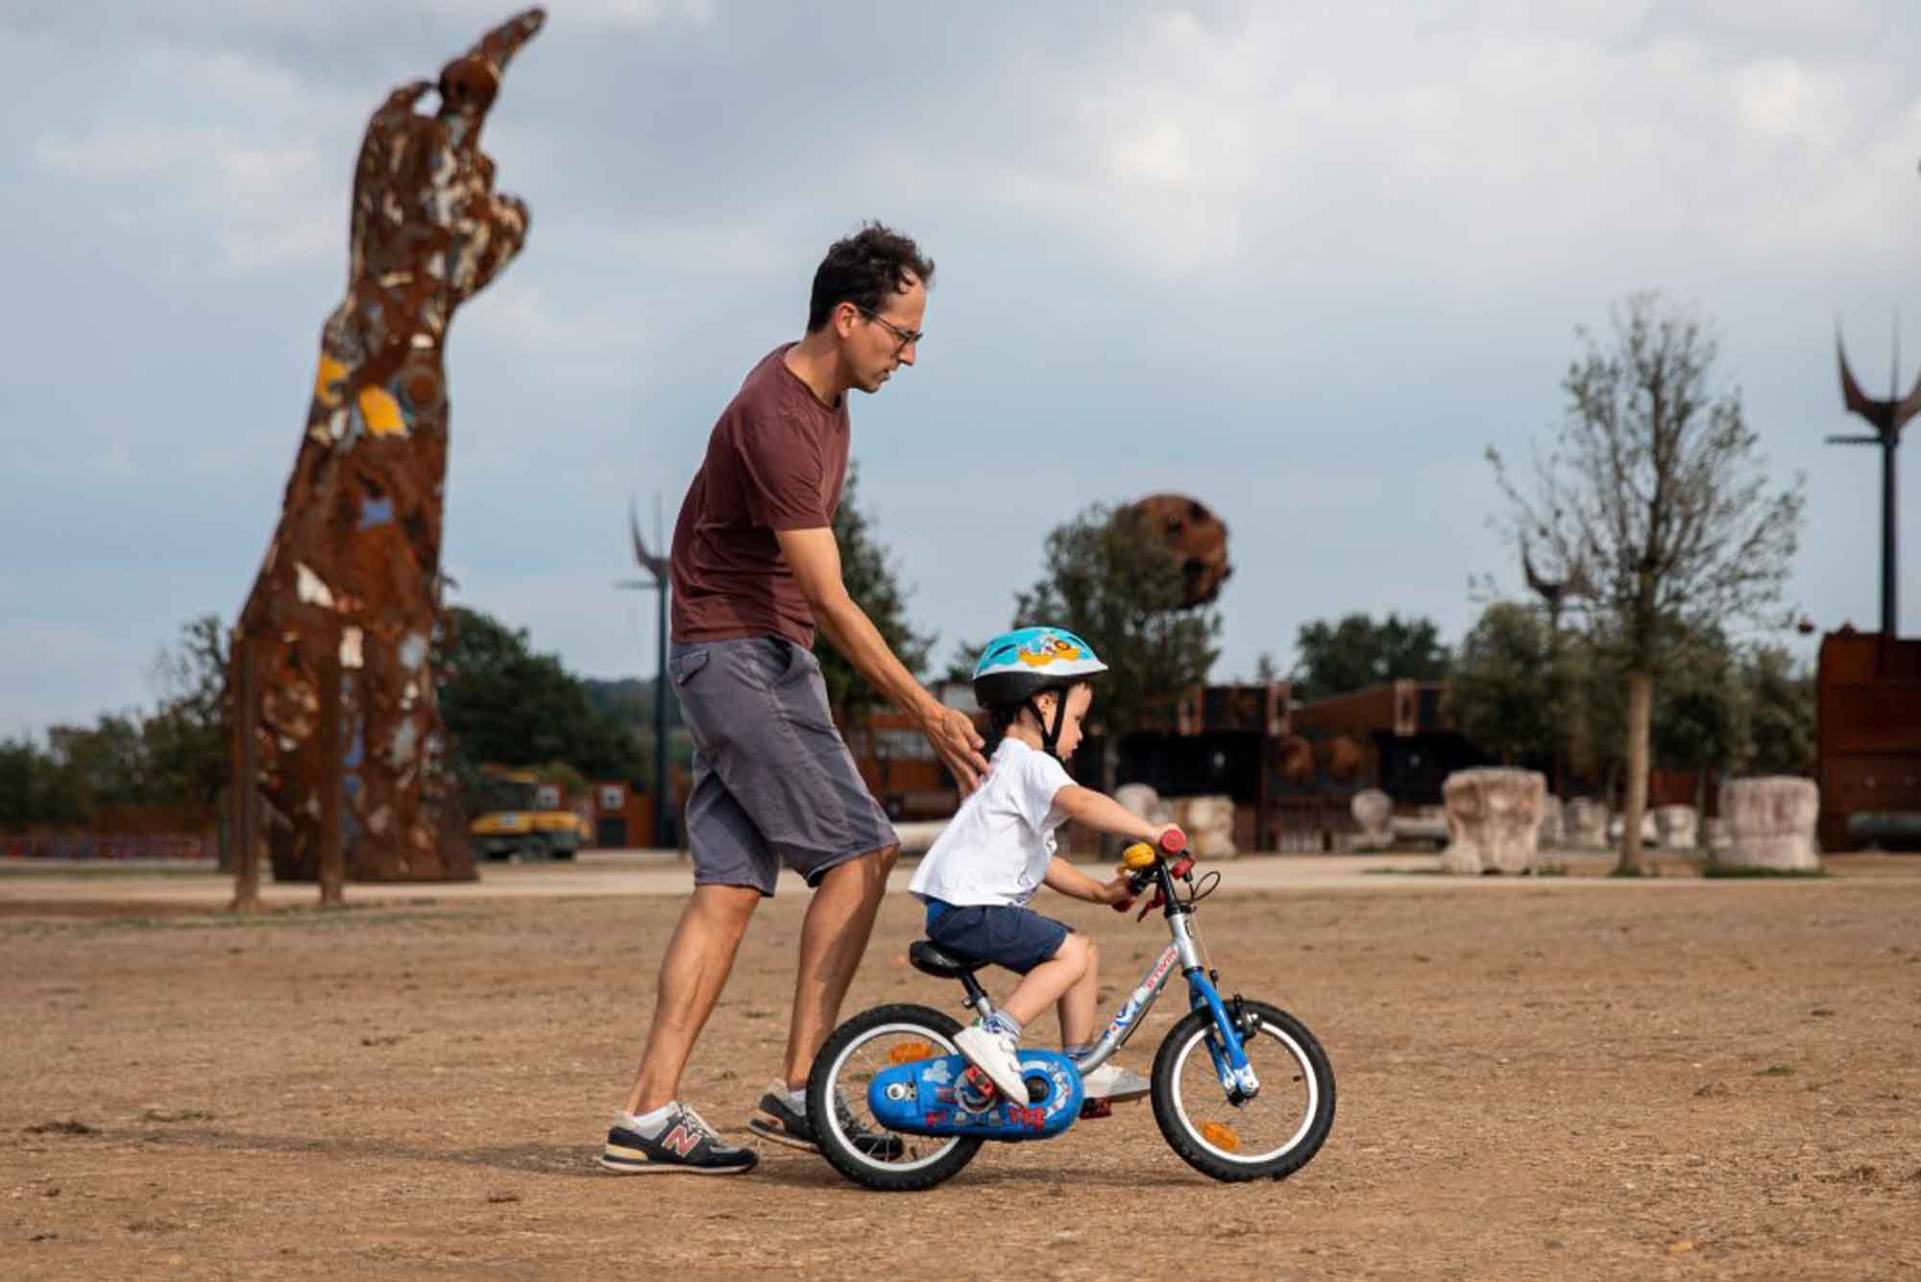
<point>814,558</point>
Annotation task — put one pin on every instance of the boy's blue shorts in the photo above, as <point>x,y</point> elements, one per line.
<point>1017,938</point>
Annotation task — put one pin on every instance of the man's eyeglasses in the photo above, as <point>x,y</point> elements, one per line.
<point>907,337</point>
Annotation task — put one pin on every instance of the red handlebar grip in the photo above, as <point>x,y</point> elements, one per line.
<point>1173,841</point>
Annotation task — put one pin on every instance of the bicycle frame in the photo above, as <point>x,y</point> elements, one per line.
<point>1236,1075</point>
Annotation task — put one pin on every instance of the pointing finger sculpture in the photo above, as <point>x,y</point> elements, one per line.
<point>338,739</point>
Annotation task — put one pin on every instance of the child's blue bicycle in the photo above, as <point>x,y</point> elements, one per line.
<point>1241,1089</point>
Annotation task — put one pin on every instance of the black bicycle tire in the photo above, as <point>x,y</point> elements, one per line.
<point>1186,1144</point>
<point>819,1104</point>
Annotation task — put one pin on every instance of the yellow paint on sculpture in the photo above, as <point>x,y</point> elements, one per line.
<point>381,412</point>
<point>326,381</point>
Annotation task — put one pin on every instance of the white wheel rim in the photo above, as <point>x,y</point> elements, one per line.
<point>1308,1114</point>
<point>847,1144</point>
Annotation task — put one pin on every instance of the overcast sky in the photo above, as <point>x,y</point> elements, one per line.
<point>1304,262</point>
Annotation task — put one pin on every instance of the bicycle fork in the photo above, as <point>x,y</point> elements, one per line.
<point>1224,1046</point>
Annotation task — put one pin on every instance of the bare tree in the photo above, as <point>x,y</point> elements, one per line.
<point>1655,490</point>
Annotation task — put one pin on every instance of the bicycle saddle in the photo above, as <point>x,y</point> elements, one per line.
<point>934,960</point>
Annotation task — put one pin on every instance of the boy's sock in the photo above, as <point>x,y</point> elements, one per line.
<point>1001,1024</point>
<point>1078,1051</point>
<point>797,1099</point>
<point>649,1124</point>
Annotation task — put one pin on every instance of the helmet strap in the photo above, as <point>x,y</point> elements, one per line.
<point>1050,729</point>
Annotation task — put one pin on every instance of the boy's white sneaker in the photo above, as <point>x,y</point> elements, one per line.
<point>993,1054</point>
<point>1113,1083</point>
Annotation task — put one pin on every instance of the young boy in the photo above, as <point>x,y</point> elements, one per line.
<point>999,849</point>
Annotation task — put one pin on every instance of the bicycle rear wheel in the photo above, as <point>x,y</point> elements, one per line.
<point>1272,1135</point>
<point>870,1042</point>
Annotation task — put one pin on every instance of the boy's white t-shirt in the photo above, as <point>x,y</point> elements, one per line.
<point>996,848</point>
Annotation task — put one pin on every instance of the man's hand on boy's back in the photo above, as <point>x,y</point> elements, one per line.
<point>955,741</point>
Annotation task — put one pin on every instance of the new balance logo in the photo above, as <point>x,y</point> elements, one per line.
<point>680,1140</point>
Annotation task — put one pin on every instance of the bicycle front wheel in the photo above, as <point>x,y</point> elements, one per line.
<point>1272,1135</point>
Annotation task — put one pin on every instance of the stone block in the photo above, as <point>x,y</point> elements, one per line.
<point>1372,810</point>
<point>1493,820</point>
<point>1587,824</point>
<point>1770,823</point>
<point>1679,827</point>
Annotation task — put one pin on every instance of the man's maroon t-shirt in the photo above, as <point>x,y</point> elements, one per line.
<point>776,461</point>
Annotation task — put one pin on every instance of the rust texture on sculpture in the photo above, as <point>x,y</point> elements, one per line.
<point>331,653</point>
<point>1196,537</point>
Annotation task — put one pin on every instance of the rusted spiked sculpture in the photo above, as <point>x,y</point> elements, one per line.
<point>1887,418</point>
<point>1198,540</point>
<point>337,754</point>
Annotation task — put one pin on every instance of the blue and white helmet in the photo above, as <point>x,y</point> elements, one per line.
<point>1015,666</point>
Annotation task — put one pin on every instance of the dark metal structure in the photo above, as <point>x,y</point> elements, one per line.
<point>338,738</point>
<point>659,583</point>
<point>1887,418</point>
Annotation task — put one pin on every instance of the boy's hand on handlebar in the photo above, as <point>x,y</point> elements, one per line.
<point>1117,892</point>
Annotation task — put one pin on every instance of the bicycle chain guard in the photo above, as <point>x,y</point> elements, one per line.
<point>948,1096</point>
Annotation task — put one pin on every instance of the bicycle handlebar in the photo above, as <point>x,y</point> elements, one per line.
<point>1140,861</point>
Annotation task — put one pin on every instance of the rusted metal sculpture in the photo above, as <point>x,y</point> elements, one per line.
<point>338,735</point>
<point>1198,540</point>
<point>1887,418</point>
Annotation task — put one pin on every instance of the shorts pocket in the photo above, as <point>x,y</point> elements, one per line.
<point>682,667</point>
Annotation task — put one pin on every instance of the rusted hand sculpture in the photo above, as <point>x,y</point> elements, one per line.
<point>346,734</point>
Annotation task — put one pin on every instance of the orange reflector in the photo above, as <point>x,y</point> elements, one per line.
<point>1221,1137</point>
<point>910,1053</point>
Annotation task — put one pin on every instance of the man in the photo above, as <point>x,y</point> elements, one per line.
<point>755,570</point>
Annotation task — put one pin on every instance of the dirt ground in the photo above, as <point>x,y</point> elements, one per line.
<point>1563,1079</point>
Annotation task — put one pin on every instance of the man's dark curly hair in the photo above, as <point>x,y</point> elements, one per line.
<point>865,269</point>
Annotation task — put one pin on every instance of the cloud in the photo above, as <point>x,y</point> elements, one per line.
<point>260,206</point>
<point>1302,260</point>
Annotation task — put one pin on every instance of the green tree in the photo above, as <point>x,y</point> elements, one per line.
<point>24,771</point>
<point>187,738</point>
<point>1502,692</point>
<point>1777,713</point>
<point>1112,580</point>
<point>1655,489</point>
<point>868,571</point>
<point>1356,652</point>
<point>505,704</point>
<point>96,768</point>
<point>1696,718</point>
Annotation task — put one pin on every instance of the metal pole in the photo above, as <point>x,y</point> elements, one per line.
<point>245,784</point>
<point>1890,610</point>
<point>663,801</point>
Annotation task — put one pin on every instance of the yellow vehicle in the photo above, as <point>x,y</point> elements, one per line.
<point>522,816</point>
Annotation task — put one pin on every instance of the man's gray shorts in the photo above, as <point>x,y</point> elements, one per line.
<point>773,781</point>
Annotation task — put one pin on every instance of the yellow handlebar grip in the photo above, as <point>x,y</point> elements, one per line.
<point>1138,856</point>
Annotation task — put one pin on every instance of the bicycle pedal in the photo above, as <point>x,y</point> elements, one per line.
<point>1096,1108</point>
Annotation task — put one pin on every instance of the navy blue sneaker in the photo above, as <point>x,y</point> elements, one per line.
<point>685,1143</point>
<point>781,1122</point>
